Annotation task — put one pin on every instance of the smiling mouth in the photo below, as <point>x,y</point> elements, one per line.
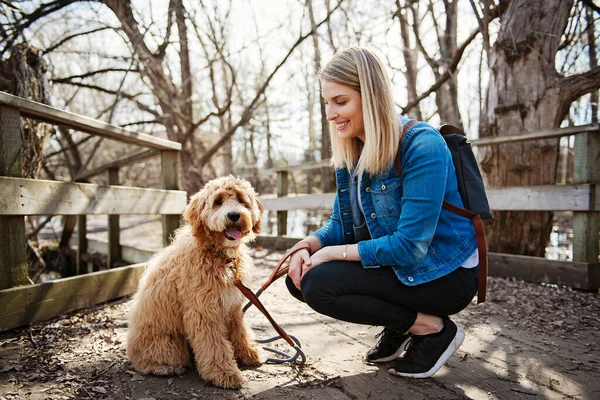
<point>232,234</point>
<point>342,125</point>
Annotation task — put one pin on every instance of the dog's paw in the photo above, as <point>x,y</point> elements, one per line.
<point>227,379</point>
<point>169,370</point>
<point>252,356</point>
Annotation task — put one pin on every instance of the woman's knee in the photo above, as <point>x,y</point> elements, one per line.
<point>316,289</point>
<point>294,291</point>
<point>311,288</point>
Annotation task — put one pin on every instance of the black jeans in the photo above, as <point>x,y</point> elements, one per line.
<point>347,291</point>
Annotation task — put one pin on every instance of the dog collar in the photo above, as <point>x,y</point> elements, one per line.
<point>233,265</point>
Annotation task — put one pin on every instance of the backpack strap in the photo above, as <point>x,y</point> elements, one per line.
<point>447,129</point>
<point>475,218</point>
<point>481,246</point>
<point>404,130</point>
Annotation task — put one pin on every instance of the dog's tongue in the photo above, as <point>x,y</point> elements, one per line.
<point>234,233</point>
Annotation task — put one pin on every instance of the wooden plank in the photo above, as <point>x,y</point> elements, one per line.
<point>275,243</point>
<point>546,134</point>
<point>249,172</point>
<point>129,254</point>
<point>137,157</point>
<point>169,177</point>
<point>544,197</point>
<point>579,275</point>
<point>586,225</point>
<point>13,250</point>
<point>42,197</point>
<point>586,238</point>
<point>114,230</point>
<point>78,122</point>
<point>322,201</point>
<point>26,304</point>
<point>582,197</point>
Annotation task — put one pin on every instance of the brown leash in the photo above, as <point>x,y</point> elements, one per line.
<point>277,273</point>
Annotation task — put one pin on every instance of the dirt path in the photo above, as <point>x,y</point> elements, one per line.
<point>527,342</point>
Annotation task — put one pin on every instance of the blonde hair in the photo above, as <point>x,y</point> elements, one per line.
<point>361,70</point>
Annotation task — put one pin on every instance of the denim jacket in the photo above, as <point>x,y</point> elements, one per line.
<point>409,229</point>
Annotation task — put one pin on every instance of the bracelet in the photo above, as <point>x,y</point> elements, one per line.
<point>345,254</point>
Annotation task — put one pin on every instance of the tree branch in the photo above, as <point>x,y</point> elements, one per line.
<point>447,74</point>
<point>575,86</point>
<point>146,122</point>
<point>129,97</point>
<point>71,146</point>
<point>591,5</point>
<point>162,49</point>
<point>29,19</point>
<point>68,79</point>
<point>416,27</point>
<point>66,39</point>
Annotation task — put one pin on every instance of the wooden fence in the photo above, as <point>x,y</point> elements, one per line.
<point>22,197</point>
<point>582,197</point>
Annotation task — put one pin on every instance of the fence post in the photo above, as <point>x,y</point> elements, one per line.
<point>282,190</point>
<point>586,224</point>
<point>169,175</point>
<point>82,244</point>
<point>13,250</point>
<point>114,230</point>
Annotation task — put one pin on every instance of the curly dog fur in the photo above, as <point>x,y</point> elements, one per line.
<point>186,295</point>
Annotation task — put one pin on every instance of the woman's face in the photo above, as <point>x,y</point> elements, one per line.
<point>344,107</point>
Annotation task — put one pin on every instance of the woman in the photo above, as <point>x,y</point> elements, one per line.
<point>389,255</point>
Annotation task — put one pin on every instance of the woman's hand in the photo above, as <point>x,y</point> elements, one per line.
<point>322,256</point>
<point>298,262</point>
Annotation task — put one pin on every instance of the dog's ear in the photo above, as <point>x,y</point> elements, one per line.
<point>257,227</point>
<point>192,213</point>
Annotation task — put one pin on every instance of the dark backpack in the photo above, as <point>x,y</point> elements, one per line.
<point>471,189</point>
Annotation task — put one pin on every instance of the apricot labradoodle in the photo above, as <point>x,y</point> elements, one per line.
<point>186,295</point>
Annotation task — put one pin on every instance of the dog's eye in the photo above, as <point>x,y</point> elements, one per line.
<point>242,202</point>
<point>219,202</point>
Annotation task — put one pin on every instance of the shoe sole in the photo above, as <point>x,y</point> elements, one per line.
<point>452,347</point>
<point>393,356</point>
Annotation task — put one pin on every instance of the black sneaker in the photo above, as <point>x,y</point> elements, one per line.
<point>389,347</point>
<point>426,354</point>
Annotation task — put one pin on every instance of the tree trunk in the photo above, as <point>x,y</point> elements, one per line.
<point>410,60</point>
<point>23,75</point>
<point>446,97</point>
<point>327,177</point>
<point>524,95</point>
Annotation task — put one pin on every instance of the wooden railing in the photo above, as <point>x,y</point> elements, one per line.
<point>582,197</point>
<point>20,197</point>
<point>28,197</point>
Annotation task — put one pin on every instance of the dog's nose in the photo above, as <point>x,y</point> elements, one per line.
<point>233,216</point>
